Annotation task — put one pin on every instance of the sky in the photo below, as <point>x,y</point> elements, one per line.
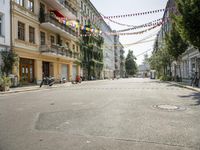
<point>122,7</point>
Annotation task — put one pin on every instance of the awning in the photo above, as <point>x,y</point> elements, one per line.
<point>57,13</point>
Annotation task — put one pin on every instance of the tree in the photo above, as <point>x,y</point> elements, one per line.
<point>188,21</point>
<point>8,60</point>
<point>130,64</point>
<point>159,61</point>
<point>175,45</point>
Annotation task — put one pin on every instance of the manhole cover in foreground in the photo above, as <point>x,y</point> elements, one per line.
<point>169,107</point>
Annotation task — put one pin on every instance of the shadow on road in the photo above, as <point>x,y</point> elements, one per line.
<point>194,96</point>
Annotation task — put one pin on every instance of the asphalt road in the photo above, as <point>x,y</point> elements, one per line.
<point>125,114</point>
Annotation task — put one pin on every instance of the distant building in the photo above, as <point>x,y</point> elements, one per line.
<point>108,51</point>
<point>143,71</point>
<point>117,56</point>
<point>122,62</point>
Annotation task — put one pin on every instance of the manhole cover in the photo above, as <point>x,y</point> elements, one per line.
<point>169,107</point>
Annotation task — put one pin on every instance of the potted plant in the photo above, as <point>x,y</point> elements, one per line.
<point>5,83</point>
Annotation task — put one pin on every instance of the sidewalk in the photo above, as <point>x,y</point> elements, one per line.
<point>181,84</point>
<point>33,88</point>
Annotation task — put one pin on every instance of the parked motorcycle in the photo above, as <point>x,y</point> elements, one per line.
<point>47,81</point>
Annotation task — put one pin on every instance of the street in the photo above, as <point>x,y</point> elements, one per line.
<point>124,114</point>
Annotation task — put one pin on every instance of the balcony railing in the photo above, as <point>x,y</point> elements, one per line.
<point>59,50</point>
<point>95,48</point>
<point>48,18</point>
<point>66,5</point>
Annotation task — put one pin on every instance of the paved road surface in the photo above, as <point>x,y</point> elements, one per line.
<point>125,114</point>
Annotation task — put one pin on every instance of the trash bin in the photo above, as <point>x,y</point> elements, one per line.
<point>14,80</point>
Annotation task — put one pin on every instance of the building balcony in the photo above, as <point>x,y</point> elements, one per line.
<point>56,50</point>
<point>64,7</point>
<point>96,61</point>
<point>51,23</point>
<point>95,48</point>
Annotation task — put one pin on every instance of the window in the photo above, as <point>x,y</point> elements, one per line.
<point>31,34</point>
<point>31,5</point>
<point>21,31</point>
<point>88,11</point>
<point>67,44</point>
<point>73,47</point>
<point>42,38</point>
<point>52,39</point>
<point>77,48</point>
<point>81,19</point>
<point>85,8</point>
<point>91,15</point>
<point>81,5</point>
<point>1,22</point>
<point>20,2</point>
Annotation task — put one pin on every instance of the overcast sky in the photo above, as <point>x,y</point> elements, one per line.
<point>120,7</point>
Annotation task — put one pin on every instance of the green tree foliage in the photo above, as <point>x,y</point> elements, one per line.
<point>188,22</point>
<point>175,45</point>
<point>159,61</point>
<point>130,64</point>
<point>8,60</point>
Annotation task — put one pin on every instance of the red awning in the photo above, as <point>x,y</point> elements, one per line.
<point>57,13</point>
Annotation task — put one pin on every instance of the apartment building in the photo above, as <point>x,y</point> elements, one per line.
<point>91,42</point>
<point>4,25</point>
<point>190,59</point>
<point>45,43</point>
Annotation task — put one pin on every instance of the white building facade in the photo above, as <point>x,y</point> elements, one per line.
<point>108,52</point>
<point>4,25</point>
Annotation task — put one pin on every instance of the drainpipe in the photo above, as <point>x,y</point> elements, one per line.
<point>11,43</point>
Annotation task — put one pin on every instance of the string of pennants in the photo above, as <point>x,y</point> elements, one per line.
<point>135,14</point>
<point>130,33</point>
<point>130,15</point>
<point>133,26</point>
<point>144,40</point>
<point>76,25</point>
<point>149,24</point>
<point>92,31</point>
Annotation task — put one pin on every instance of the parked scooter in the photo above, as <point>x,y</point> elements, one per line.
<point>47,81</point>
<point>77,80</point>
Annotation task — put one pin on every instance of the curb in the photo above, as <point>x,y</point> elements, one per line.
<point>33,89</point>
<point>19,91</point>
<point>185,86</point>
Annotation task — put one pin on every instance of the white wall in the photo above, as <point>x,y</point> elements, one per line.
<point>5,12</point>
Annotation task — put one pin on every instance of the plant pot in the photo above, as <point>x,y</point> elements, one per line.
<point>4,88</point>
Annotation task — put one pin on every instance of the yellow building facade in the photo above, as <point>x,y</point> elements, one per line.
<point>44,45</point>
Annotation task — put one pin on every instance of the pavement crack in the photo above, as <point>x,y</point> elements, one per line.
<point>152,142</point>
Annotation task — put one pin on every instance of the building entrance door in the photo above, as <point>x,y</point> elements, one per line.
<point>45,69</point>
<point>26,70</point>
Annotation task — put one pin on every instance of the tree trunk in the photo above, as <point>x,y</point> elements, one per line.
<point>175,72</point>
<point>180,78</point>
<point>170,70</point>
